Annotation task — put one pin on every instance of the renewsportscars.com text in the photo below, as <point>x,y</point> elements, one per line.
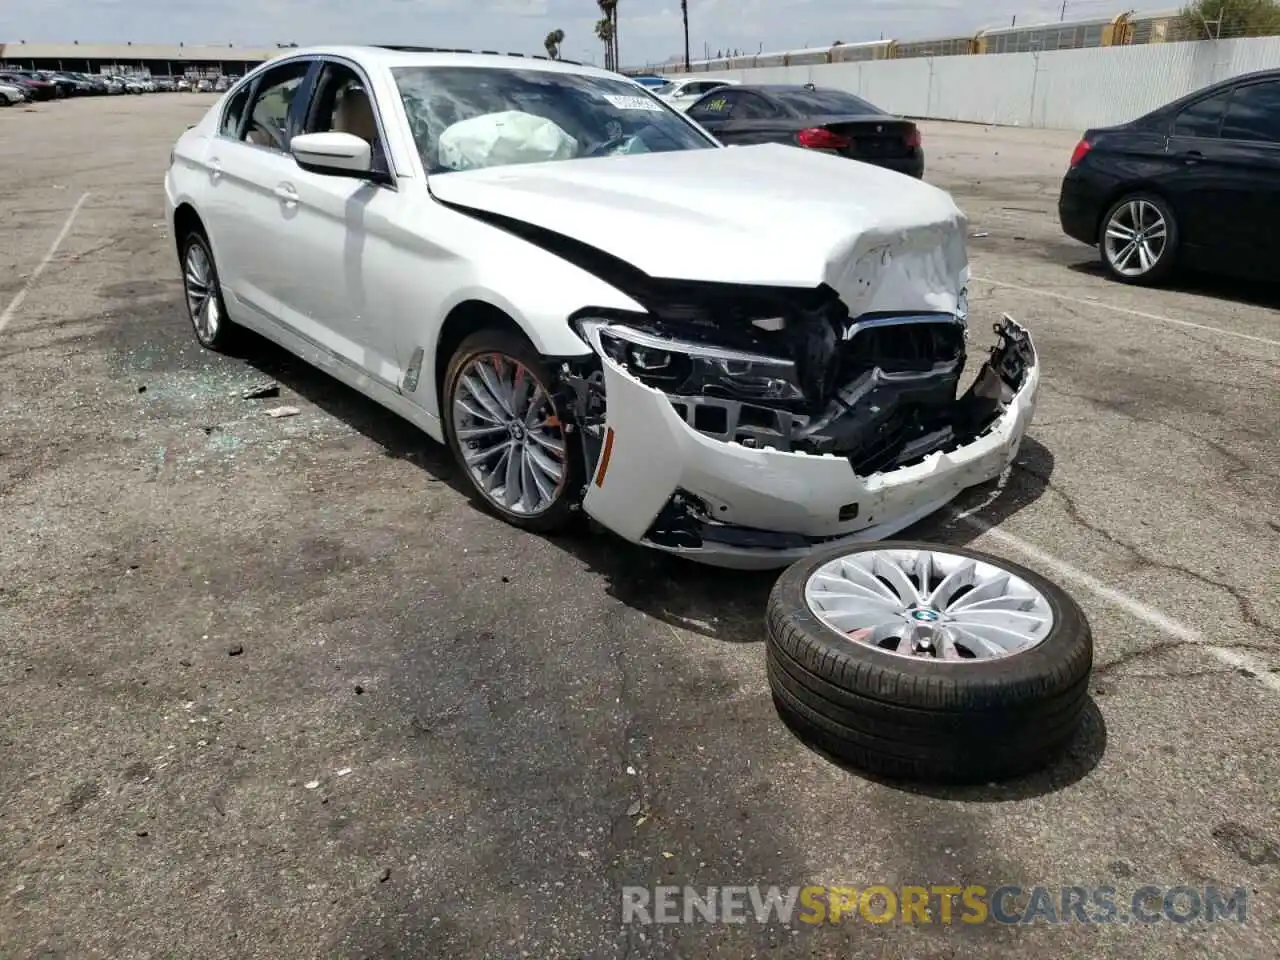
<point>937,904</point>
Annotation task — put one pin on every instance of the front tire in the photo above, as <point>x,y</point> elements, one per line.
<point>991,683</point>
<point>1138,240</point>
<point>507,433</point>
<point>205,306</point>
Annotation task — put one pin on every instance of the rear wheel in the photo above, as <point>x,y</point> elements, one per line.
<point>507,433</point>
<point>1139,239</point>
<point>205,306</point>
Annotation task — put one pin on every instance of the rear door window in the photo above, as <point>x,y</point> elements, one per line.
<point>1254,113</point>
<point>1203,118</point>
<point>752,107</point>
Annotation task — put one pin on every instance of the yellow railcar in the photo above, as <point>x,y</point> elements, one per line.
<point>1101,32</point>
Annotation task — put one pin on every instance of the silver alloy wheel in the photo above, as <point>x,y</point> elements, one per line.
<point>930,604</point>
<point>1136,238</point>
<point>202,297</point>
<point>509,434</point>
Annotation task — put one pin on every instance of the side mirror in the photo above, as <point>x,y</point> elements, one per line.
<point>334,154</point>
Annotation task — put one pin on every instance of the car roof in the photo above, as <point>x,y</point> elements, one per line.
<point>401,56</point>
<point>1173,106</point>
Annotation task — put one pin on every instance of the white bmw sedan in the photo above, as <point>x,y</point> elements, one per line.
<point>738,355</point>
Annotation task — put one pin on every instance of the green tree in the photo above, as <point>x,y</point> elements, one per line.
<point>1213,19</point>
<point>552,43</point>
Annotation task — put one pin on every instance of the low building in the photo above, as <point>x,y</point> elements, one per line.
<point>153,59</point>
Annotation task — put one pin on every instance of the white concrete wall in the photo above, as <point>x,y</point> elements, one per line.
<point>1061,89</point>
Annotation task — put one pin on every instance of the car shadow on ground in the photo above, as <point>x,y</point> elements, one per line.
<point>726,606</point>
<point>1249,293</point>
<point>720,604</point>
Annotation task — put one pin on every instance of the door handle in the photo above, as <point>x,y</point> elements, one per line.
<point>1192,157</point>
<point>285,193</point>
<point>215,168</point>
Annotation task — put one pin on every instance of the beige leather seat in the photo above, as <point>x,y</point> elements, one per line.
<point>355,116</point>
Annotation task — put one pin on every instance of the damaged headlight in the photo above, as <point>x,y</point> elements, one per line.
<point>685,368</point>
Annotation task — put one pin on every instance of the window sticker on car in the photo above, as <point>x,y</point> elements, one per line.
<point>719,103</point>
<point>633,103</point>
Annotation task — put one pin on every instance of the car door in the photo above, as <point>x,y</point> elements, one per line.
<point>343,297</point>
<point>1247,177</point>
<point>750,118</point>
<point>715,113</point>
<point>247,207</point>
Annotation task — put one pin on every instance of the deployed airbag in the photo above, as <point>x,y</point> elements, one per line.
<point>496,139</point>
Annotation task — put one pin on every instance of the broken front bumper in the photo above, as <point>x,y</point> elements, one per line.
<point>760,508</point>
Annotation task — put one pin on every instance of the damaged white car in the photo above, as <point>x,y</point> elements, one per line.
<point>738,355</point>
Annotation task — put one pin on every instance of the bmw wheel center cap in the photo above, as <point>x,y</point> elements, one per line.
<point>925,616</point>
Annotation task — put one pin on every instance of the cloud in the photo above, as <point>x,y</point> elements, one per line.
<point>648,30</point>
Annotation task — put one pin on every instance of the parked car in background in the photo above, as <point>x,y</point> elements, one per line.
<point>10,94</point>
<point>68,86</point>
<point>62,86</point>
<point>649,80</point>
<point>1192,184</point>
<point>97,86</point>
<point>681,94</point>
<point>785,375</point>
<point>204,85</point>
<point>36,88</point>
<point>817,118</point>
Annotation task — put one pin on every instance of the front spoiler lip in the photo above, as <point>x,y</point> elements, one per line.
<point>657,453</point>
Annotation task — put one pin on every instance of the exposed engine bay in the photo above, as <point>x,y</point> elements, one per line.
<point>790,370</point>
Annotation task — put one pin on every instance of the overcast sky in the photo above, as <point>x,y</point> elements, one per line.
<point>647,29</point>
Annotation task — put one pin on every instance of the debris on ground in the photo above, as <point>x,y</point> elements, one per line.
<point>634,808</point>
<point>343,772</point>
<point>263,391</point>
<point>278,412</point>
<point>979,236</point>
<point>235,650</point>
<point>385,875</point>
<point>311,784</point>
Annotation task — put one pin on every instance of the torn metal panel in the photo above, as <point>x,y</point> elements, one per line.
<point>728,496</point>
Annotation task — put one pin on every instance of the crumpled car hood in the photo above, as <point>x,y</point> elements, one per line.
<point>769,215</point>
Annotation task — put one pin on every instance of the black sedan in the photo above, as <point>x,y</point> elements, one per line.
<point>818,118</point>
<point>1194,183</point>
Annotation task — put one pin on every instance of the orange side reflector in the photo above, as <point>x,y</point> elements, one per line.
<point>604,457</point>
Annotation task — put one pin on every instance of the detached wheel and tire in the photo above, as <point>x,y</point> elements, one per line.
<point>1139,239</point>
<point>507,433</point>
<point>935,664</point>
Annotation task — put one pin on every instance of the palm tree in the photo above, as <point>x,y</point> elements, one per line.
<point>684,13</point>
<point>604,33</point>
<point>610,10</point>
<point>552,43</point>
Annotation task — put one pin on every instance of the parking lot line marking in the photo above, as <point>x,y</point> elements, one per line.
<point>1126,311</point>
<point>21,295</point>
<point>1237,659</point>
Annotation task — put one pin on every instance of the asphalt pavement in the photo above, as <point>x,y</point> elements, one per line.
<point>276,688</point>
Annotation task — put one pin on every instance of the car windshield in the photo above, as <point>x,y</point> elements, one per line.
<point>465,118</point>
<point>817,103</point>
